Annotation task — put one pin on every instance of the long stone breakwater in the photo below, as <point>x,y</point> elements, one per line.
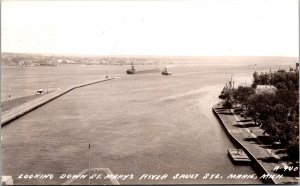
<point>14,113</point>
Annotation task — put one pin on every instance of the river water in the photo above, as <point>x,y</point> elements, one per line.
<point>136,124</point>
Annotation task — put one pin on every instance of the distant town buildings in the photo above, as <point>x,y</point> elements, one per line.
<point>31,60</point>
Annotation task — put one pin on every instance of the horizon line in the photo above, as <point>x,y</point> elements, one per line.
<point>142,55</point>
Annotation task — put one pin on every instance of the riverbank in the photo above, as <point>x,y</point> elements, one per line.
<point>22,109</point>
<point>252,139</point>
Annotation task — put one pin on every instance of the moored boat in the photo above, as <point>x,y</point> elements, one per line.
<point>238,156</point>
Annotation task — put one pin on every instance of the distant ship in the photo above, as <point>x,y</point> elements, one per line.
<point>165,72</point>
<point>48,64</point>
<point>132,70</point>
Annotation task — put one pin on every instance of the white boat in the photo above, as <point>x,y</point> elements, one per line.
<point>165,72</point>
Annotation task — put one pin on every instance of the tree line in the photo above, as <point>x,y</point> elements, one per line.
<point>275,109</point>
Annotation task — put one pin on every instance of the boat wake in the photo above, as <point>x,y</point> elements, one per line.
<point>184,95</point>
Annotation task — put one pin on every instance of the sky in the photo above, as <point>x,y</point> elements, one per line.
<point>154,27</point>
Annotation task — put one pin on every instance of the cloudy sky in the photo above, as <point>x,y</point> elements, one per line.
<point>189,28</point>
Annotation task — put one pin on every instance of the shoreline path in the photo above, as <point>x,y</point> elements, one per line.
<point>247,134</point>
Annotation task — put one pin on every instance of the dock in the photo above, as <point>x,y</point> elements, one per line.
<point>238,156</point>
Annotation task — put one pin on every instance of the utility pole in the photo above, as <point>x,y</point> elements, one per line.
<point>89,165</point>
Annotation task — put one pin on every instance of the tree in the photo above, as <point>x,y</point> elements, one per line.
<point>264,79</point>
<point>227,104</point>
<point>286,97</point>
<point>254,85</point>
<point>242,94</point>
<point>293,150</point>
<point>259,106</point>
<point>226,94</point>
<point>256,78</point>
<point>278,111</point>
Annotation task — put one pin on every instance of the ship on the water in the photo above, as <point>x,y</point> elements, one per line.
<point>166,72</point>
<point>49,64</point>
<point>132,70</point>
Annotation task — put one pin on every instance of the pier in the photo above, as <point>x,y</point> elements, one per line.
<point>23,109</point>
<point>238,156</point>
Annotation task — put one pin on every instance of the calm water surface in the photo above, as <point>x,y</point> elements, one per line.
<point>139,124</point>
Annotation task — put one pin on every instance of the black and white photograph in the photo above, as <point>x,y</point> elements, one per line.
<point>149,92</point>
